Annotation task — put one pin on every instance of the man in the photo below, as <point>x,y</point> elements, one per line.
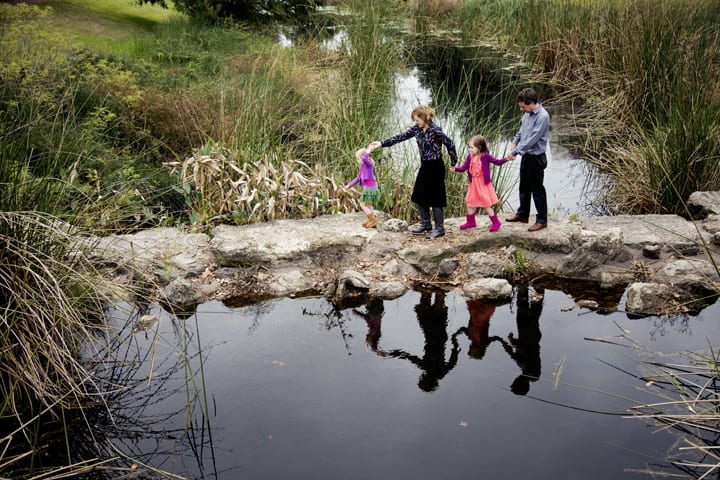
<point>531,142</point>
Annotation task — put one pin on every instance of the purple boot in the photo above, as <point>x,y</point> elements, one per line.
<point>469,222</point>
<point>495,226</point>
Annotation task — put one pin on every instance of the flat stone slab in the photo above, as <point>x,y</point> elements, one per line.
<point>307,255</point>
<point>321,240</point>
<point>671,231</point>
<point>175,253</point>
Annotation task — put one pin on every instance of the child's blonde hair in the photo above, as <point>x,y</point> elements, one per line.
<point>360,152</point>
<point>479,142</point>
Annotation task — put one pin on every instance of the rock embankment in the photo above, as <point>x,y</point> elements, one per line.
<point>663,263</point>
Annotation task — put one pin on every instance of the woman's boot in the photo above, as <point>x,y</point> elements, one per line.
<point>425,225</point>
<point>439,230</point>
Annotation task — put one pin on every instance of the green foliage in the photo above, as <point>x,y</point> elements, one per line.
<point>254,10</point>
<point>74,141</point>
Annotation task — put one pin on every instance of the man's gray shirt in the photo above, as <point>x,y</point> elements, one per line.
<point>532,137</point>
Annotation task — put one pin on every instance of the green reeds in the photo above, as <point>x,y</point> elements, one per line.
<point>55,139</point>
<point>367,59</point>
<point>309,104</point>
<point>642,77</point>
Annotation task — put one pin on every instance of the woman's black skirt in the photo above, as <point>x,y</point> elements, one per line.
<point>429,190</point>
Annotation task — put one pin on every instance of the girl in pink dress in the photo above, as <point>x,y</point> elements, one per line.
<point>480,191</point>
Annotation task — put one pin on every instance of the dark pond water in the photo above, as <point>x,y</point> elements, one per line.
<point>425,386</point>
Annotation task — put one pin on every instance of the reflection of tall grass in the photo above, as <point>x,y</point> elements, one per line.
<point>687,387</point>
<point>645,74</point>
<point>137,387</point>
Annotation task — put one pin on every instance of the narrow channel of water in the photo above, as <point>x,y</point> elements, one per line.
<point>425,386</point>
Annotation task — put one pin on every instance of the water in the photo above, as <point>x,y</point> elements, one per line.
<point>296,389</point>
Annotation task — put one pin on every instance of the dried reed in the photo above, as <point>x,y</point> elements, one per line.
<point>688,385</point>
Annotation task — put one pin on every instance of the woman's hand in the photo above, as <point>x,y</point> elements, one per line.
<point>374,145</point>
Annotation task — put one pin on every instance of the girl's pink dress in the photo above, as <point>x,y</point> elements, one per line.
<point>479,194</point>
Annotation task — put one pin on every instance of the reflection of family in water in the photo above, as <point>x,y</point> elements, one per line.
<point>478,328</point>
<point>432,317</point>
<point>523,348</point>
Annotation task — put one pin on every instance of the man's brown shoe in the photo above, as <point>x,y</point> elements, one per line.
<point>537,226</point>
<point>517,218</point>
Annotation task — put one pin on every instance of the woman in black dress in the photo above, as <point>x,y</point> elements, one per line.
<point>429,189</point>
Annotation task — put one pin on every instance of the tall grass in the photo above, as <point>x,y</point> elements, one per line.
<point>71,141</point>
<point>643,78</point>
<point>51,302</point>
<point>176,86</point>
<point>56,140</point>
<point>304,111</point>
<point>369,57</point>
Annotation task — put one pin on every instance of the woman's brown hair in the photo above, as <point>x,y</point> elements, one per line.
<point>424,112</point>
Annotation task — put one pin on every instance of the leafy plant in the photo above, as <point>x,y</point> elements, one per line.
<point>221,185</point>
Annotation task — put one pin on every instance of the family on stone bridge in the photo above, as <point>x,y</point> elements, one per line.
<point>530,142</point>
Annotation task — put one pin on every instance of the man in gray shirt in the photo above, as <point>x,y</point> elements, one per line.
<point>531,143</point>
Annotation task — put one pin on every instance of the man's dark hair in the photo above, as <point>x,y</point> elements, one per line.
<point>527,96</point>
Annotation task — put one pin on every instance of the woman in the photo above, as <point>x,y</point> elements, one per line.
<point>429,189</point>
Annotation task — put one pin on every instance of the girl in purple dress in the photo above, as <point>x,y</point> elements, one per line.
<point>366,178</point>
